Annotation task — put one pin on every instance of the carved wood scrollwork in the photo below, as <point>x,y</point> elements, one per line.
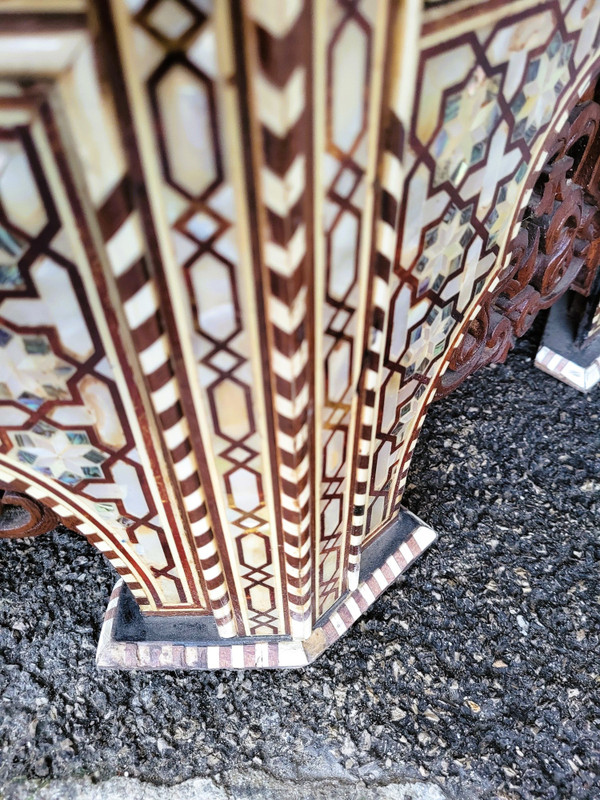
<point>557,248</point>
<point>22,517</point>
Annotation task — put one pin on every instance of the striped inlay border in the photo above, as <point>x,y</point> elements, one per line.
<point>561,368</point>
<point>261,654</point>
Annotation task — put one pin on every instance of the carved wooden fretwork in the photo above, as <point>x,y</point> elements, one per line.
<point>22,517</point>
<point>557,248</point>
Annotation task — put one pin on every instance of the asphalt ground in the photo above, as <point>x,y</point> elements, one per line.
<point>477,676</point>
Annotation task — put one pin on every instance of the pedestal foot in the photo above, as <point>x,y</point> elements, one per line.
<point>559,355</point>
<point>131,641</point>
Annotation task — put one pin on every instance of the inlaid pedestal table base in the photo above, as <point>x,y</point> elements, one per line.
<point>129,641</point>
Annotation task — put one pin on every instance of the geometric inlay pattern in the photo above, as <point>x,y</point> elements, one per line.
<point>177,52</point>
<point>494,103</point>
<point>348,138</point>
<point>58,400</point>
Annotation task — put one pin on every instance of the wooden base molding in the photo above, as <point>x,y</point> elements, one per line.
<point>192,645</point>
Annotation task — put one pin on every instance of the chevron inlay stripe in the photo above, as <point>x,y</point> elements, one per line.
<point>282,103</point>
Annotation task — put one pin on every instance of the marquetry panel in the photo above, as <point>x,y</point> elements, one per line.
<point>355,41</point>
<point>184,83</point>
<point>241,245</point>
<point>486,99</point>
<point>62,413</point>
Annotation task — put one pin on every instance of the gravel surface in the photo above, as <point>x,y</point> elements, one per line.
<point>478,675</point>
